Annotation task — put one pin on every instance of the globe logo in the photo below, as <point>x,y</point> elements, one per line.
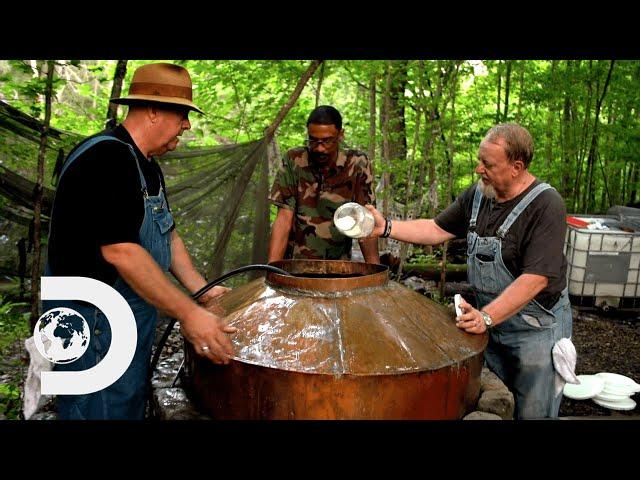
<point>61,335</point>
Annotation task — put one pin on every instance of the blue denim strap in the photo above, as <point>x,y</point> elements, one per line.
<point>522,205</point>
<point>477,200</point>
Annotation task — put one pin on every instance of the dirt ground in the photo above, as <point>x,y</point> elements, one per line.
<point>605,343</point>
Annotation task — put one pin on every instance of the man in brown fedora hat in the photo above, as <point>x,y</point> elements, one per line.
<point>111,221</point>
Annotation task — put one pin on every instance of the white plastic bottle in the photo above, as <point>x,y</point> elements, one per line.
<point>353,220</point>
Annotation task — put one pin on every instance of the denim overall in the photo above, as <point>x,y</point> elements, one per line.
<point>520,348</point>
<point>124,399</point>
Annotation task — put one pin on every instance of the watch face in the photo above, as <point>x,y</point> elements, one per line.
<point>487,319</point>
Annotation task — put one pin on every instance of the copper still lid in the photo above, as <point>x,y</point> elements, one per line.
<point>342,318</point>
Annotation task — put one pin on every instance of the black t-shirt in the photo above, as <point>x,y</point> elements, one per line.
<point>99,202</point>
<point>534,243</point>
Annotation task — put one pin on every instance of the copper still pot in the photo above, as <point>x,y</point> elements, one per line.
<point>337,341</point>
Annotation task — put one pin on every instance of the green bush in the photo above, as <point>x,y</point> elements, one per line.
<point>9,401</point>
<point>14,325</point>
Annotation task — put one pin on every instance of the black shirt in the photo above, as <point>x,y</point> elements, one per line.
<point>99,202</point>
<point>535,241</point>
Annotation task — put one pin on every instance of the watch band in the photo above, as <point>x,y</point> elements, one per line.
<point>488,321</point>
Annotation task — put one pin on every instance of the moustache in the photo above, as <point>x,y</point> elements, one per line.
<point>319,156</point>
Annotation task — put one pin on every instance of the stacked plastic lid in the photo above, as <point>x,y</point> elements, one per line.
<point>609,390</point>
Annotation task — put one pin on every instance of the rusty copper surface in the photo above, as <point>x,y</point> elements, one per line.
<point>323,348</point>
<point>370,275</point>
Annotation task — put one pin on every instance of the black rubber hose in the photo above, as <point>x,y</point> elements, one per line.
<point>202,291</point>
<point>238,270</point>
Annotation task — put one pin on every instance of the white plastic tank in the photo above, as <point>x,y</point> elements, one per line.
<point>603,258</point>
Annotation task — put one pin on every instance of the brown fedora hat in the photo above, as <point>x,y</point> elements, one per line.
<point>161,83</point>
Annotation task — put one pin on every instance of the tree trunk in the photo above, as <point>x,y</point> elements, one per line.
<point>581,151</point>
<point>37,209</point>
<point>594,141</point>
<point>372,118</point>
<point>634,183</point>
<point>550,115</point>
<point>498,113</point>
<point>404,246</point>
<point>520,91</point>
<point>116,90</point>
<point>586,200</point>
<point>271,129</point>
<point>433,270</point>
<point>397,122</point>
<point>568,141</point>
<point>319,87</point>
<point>386,146</point>
<point>617,175</point>
<point>507,86</point>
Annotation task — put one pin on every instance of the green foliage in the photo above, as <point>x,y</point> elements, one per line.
<point>14,325</point>
<point>555,100</point>
<point>421,258</point>
<point>9,401</point>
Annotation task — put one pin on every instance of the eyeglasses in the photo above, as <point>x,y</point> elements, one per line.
<point>314,142</point>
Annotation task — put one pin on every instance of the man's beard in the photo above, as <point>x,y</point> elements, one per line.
<point>487,189</point>
<point>319,157</point>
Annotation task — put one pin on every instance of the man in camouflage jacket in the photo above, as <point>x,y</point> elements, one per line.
<point>312,182</point>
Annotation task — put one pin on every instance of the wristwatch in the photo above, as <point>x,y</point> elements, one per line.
<point>488,321</point>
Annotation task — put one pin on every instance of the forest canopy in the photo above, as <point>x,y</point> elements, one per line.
<point>421,121</point>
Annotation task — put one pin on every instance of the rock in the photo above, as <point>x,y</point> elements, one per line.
<point>44,416</point>
<point>173,404</point>
<point>499,402</point>
<point>166,371</point>
<point>490,381</point>
<point>418,284</point>
<point>482,416</point>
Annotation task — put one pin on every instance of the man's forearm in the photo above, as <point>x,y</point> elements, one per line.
<point>516,296</point>
<point>280,234</point>
<point>143,274</point>
<point>422,231</point>
<point>369,247</point>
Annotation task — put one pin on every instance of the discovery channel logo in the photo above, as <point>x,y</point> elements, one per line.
<point>62,335</point>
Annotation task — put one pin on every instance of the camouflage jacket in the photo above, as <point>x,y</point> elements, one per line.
<point>314,194</point>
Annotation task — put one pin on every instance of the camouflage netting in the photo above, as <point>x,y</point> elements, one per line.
<point>19,146</point>
<point>218,195</point>
<point>219,200</point>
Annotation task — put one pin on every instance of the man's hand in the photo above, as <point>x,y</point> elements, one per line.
<point>378,228</point>
<point>142,273</point>
<point>471,320</point>
<point>208,335</point>
<point>213,294</point>
<point>210,299</point>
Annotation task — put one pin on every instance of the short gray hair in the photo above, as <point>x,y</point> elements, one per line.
<point>518,144</point>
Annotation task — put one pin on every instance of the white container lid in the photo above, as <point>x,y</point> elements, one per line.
<point>626,404</point>
<point>616,381</point>
<point>617,390</point>
<point>589,387</point>
<point>610,397</point>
